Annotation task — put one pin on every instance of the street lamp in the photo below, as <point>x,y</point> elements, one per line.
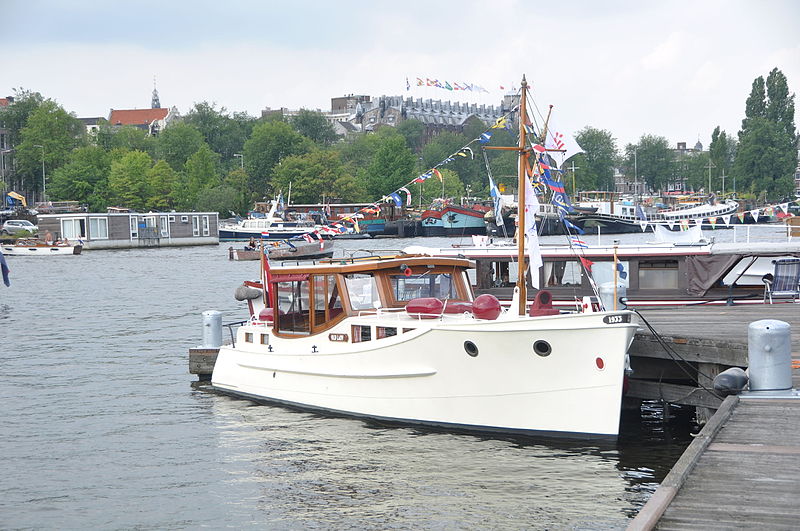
<point>44,181</point>
<point>241,158</point>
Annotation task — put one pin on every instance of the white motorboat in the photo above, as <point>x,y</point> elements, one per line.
<point>270,226</point>
<point>40,248</point>
<point>403,340</point>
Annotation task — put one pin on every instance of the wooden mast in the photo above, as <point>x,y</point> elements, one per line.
<point>521,176</point>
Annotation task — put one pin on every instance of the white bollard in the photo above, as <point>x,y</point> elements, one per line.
<point>212,329</point>
<point>769,352</point>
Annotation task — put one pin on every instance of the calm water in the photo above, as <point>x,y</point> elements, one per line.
<point>102,428</point>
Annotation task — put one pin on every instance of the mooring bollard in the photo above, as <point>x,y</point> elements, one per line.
<point>769,352</point>
<point>212,329</point>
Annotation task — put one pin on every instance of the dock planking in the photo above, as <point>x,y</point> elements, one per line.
<point>739,472</point>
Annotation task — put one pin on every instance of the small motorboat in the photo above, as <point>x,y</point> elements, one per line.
<point>41,248</point>
<point>285,250</point>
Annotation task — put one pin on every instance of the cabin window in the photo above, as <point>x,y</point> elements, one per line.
<point>98,228</point>
<point>265,339</point>
<point>293,306</point>
<point>362,290</point>
<point>385,331</point>
<point>562,273</point>
<point>603,272</point>
<point>327,303</point>
<point>248,337</point>
<point>361,333</point>
<point>662,274</point>
<point>439,285</point>
<point>408,330</point>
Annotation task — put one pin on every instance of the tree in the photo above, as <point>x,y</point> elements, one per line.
<point>599,157</point>
<point>225,134</point>
<point>49,135</point>
<point>766,157</point>
<point>127,181</point>
<point>653,160</point>
<point>270,143</point>
<point>162,183</point>
<point>414,133</point>
<point>390,168</point>
<point>222,199</point>
<point>15,116</point>
<point>721,151</point>
<point>314,125</point>
<point>236,179</point>
<point>315,175</point>
<point>201,172</point>
<point>128,137</point>
<point>177,143</point>
<point>83,175</point>
<point>470,170</point>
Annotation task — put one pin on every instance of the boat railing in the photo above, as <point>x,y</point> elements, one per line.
<point>231,327</point>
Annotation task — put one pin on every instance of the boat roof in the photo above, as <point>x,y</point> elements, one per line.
<point>370,264</point>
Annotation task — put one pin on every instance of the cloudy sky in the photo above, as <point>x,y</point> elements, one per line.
<point>676,69</point>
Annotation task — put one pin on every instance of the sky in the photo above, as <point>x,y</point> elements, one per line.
<point>673,69</point>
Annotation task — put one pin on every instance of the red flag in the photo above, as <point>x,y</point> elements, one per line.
<point>587,263</point>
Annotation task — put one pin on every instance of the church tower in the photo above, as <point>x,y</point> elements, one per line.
<point>155,103</point>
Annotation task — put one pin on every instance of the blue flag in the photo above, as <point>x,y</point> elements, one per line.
<point>397,199</point>
<point>494,191</point>
<point>621,269</point>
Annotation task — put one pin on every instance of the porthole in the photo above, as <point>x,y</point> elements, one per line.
<point>542,348</point>
<point>471,348</point>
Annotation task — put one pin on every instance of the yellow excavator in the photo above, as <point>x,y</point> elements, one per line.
<point>18,197</point>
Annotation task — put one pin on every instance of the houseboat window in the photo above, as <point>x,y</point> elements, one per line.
<point>73,228</point>
<point>293,305</point>
<point>361,333</point>
<point>439,285</point>
<point>195,225</point>
<point>562,273</point>
<point>164,227</point>
<point>134,227</point>
<point>98,228</point>
<point>603,272</point>
<point>362,291</point>
<point>661,274</point>
<point>385,331</point>
<point>206,230</point>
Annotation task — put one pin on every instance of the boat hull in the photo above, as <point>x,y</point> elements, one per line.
<point>426,376</point>
<point>298,251</point>
<point>41,250</point>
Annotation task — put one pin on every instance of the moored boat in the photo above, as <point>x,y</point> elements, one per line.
<point>285,250</point>
<point>41,248</point>
<point>402,339</point>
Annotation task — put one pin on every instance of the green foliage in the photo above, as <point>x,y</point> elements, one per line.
<point>765,160</point>
<point>391,167</point>
<point>224,133</point>
<point>177,143</point>
<point>414,133</point>
<point>315,175</point>
<point>654,161</point>
<point>15,116</point>
<point>223,199</point>
<point>471,171</point>
<point>50,126</point>
<point>599,157</point>
<point>269,144</point>
<point>722,151</point>
<point>162,182</point>
<point>766,157</point>
<point>127,181</point>
<point>85,174</point>
<point>314,125</point>
<point>780,104</point>
<point>128,137</point>
<point>237,180</point>
<point>201,172</point>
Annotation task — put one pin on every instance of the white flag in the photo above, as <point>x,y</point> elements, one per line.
<point>534,253</point>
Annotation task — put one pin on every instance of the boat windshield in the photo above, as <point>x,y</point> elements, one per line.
<point>439,285</point>
<point>362,291</point>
